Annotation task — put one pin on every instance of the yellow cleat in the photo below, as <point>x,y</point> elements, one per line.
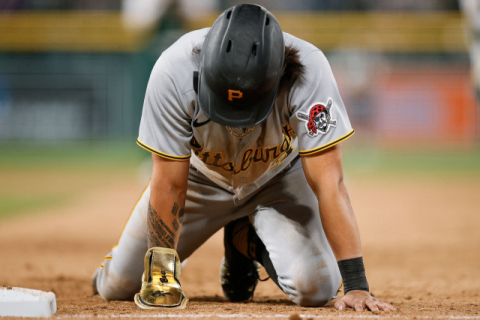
<point>160,285</point>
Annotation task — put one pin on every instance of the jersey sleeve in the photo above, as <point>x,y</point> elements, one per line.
<point>165,127</point>
<point>318,114</point>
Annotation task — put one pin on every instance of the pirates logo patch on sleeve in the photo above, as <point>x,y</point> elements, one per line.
<point>319,118</point>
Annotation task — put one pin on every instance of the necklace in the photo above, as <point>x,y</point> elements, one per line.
<point>240,135</point>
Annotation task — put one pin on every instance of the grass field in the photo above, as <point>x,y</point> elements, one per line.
<point>39,177</point>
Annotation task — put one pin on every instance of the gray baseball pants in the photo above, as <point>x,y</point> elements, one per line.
<point>284,213</point>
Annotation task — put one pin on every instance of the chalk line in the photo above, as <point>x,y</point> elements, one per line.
<point>240,315</point>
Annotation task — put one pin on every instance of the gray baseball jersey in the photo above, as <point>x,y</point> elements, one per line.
<point>309,118</point>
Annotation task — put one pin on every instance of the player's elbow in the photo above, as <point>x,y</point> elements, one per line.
<point>328,186</point>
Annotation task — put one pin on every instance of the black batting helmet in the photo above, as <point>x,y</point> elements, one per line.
<point>241,64</point>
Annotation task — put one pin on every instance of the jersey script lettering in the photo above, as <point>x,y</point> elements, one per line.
<point>251,155</point>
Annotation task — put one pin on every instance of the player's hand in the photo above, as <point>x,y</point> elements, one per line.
<point>361,300</point>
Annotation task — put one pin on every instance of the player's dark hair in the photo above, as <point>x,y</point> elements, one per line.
<point>293,69</point>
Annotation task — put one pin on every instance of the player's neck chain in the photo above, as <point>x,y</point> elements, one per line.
<point>240,135</point>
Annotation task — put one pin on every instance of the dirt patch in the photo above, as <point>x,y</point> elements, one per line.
<point>420,239</point>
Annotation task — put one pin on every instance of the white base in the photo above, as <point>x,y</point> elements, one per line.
<point>20,302</point>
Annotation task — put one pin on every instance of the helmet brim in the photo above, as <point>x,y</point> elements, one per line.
<point>237,114</point>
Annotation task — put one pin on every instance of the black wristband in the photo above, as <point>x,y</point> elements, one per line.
<point>353,274</point>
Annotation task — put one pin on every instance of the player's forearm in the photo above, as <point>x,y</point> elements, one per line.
<point>168,190</point>
<point>165,218</point>
<point>324,174</point>
<point>339,221</point>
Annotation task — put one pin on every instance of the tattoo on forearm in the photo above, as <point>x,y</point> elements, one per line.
<point>175,209</point>
<point>159,234</point>
<point>175,224</point>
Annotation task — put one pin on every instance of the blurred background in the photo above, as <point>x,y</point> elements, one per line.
<point>73,75</point>
<point>77,70</point>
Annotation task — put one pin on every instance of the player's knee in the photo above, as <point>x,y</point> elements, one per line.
<point>311,288</point>
<point>111,287</point>
<point>315,291</point>
<point>115,292</point>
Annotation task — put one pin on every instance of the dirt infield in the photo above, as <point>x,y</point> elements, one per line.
<point>420,236</point>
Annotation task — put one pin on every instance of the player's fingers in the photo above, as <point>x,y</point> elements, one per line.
<point>359,305</point>
<point>385,306</point>
<point>389,306</point>
<point>340,305</point>
<point>381,305</point>
<point>372,305</point>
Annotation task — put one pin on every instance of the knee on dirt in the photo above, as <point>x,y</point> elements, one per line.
<point>115,288</point>
<point>310,290</point>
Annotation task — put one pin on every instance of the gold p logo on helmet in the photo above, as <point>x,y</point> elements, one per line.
<point>234,94</point>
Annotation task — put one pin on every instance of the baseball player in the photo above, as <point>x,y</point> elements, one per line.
<point>243,122</point>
